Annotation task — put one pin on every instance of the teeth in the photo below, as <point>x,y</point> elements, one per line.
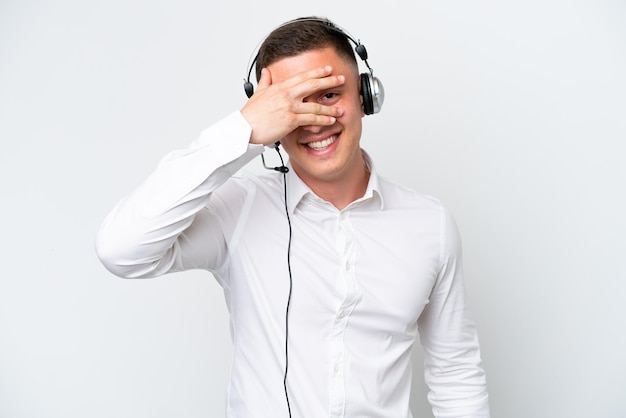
<point>322,144</point>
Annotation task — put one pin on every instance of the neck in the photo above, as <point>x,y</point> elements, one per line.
<point>343,190</point>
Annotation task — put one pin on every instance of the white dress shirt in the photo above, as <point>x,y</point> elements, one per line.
<point>366,279</point>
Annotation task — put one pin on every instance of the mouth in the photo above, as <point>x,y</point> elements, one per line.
<point>324,143</point>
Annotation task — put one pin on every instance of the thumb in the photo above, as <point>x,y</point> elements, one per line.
<point>266,79</point>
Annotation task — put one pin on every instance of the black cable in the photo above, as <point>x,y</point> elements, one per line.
<point>283,169</point>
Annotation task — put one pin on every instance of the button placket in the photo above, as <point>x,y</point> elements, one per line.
<point>346,249</point>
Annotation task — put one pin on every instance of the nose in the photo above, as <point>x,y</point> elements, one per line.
<point>313,128</point>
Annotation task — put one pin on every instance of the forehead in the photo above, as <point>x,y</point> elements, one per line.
<point>288,67</point>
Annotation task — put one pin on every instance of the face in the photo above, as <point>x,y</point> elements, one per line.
<point>326,154</point>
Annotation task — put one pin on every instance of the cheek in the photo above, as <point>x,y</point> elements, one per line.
<point>286,142</point>
<point>289,142</point>
<point>361,104</point>
<point>353,109</point>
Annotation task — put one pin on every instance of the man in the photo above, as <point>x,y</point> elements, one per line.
<point>328,270</point>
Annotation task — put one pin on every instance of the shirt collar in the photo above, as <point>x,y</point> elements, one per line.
<point>297,190</point>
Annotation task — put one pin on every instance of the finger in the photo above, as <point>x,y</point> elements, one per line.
<point>315,85</point>
<point>314,108</point>
<point>308,82</point>
<point>308,75</point>
<point>309,119</point>
<point>266,78</point>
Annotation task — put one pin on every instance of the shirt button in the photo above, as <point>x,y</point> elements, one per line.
<point>348,266</point>
<point>336,369</point>
<point>342,314</point>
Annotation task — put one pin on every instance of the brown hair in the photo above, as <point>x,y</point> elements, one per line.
<point>302,35</point>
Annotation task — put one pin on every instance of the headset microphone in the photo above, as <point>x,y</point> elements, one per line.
<point>281,168</point>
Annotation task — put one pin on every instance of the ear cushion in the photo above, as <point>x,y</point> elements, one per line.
<point>248,88</point>
<point>366,93</point>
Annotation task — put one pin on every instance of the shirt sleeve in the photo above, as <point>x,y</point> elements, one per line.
<point>150,232</point>
<point>452,363</point>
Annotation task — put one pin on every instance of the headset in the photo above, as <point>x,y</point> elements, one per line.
<point>372,89</point>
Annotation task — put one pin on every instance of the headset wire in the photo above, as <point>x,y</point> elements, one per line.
<point>283,169</point>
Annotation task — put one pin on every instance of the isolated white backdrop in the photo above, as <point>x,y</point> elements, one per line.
<point>512,113</point>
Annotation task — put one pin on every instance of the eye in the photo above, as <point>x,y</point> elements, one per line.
<point>329,97</point>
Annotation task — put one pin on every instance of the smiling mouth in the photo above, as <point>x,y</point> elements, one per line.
<point>319,145</point>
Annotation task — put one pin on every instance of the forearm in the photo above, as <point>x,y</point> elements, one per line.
<point>139,238</point>
<point>452,361</point>
<point>453,371</point>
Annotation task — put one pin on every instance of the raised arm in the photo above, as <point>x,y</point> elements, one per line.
<point>146,234</point>
<point>149,232</point>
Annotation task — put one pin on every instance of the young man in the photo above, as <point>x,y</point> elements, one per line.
<point>328,270</point>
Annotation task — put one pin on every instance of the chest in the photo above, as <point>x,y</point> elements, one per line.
<point>378,267</point>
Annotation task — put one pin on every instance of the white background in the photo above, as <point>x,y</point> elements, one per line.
<point>512,113</point>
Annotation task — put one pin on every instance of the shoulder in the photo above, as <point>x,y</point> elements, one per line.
<point>397,196</point>
<point>421,210</point>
